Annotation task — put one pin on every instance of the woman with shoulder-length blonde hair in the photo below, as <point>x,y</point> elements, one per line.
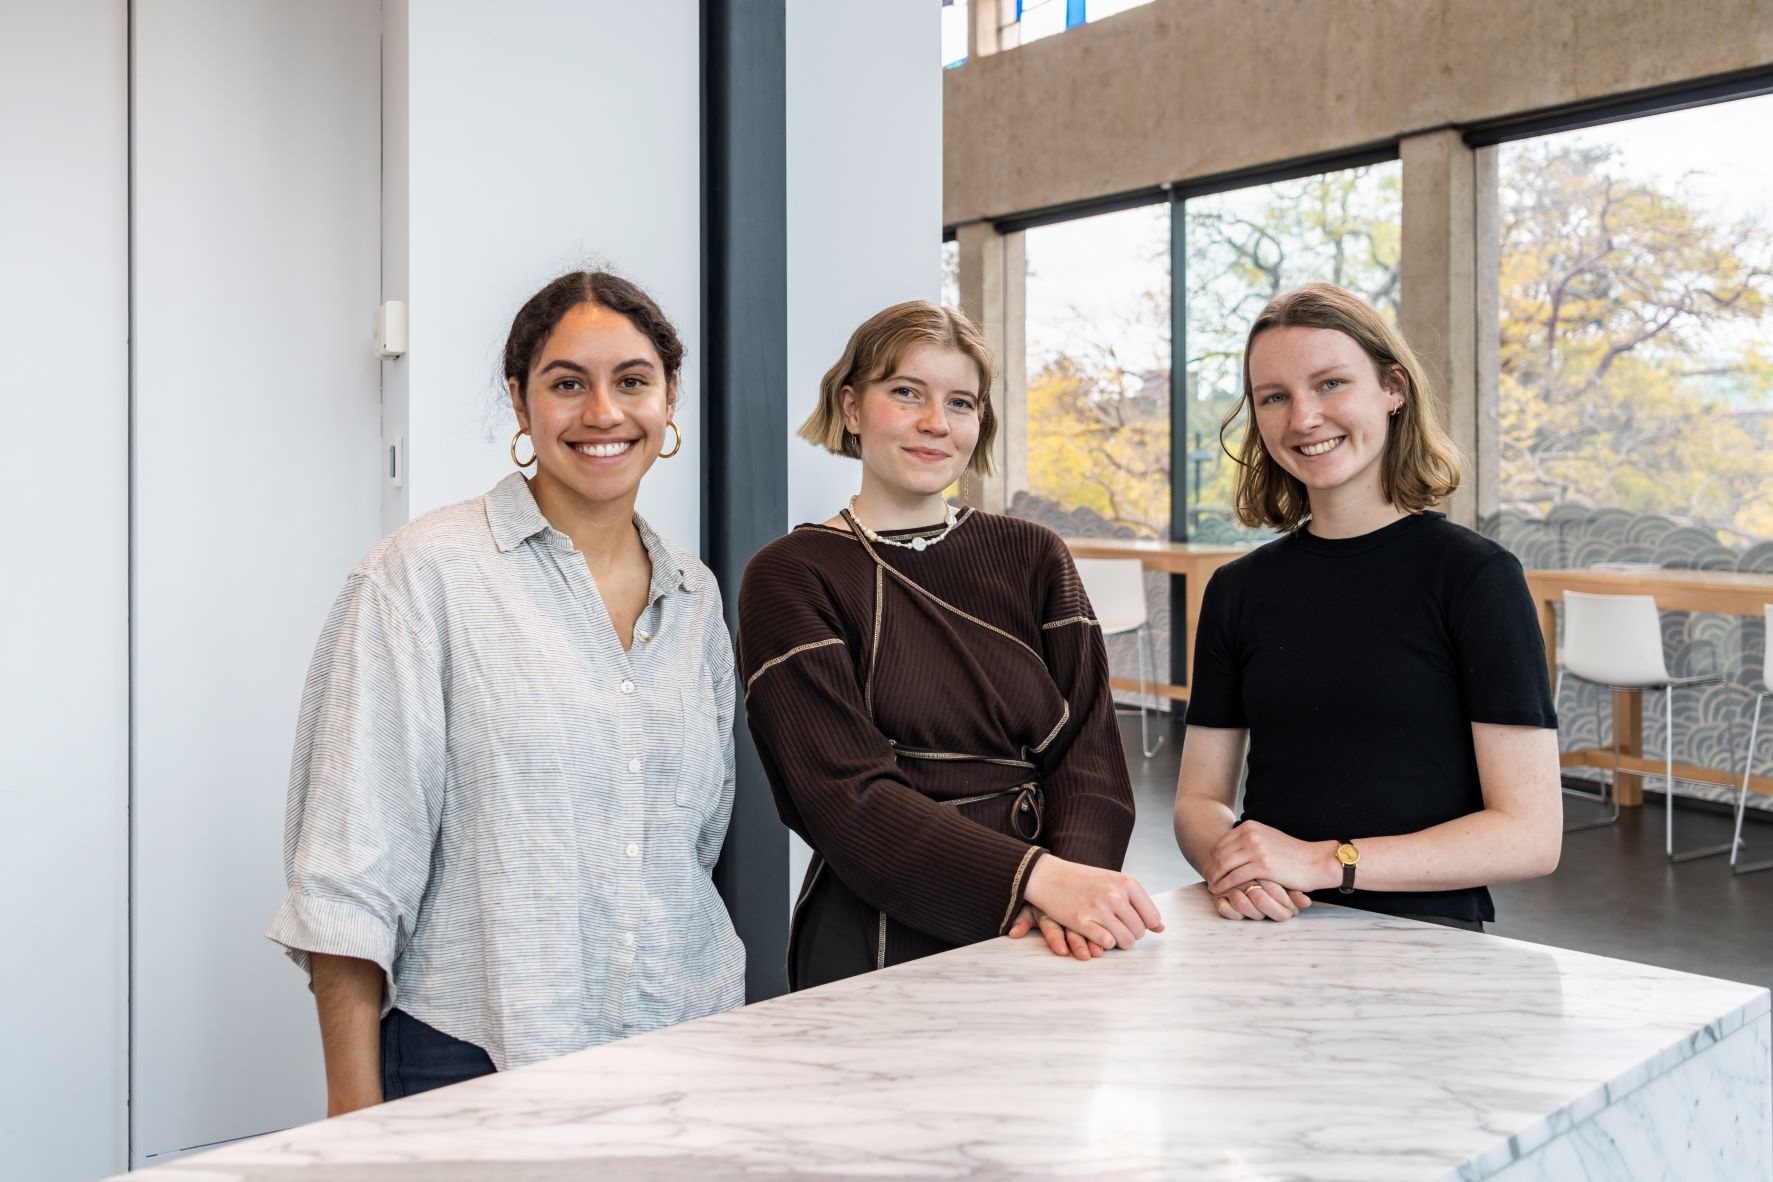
<point>1383,665</point>
<point>928,687</point>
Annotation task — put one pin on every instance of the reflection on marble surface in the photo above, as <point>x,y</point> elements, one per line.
<point>1342,1045</point>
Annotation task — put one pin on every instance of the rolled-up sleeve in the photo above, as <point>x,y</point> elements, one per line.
<point>366,786</point>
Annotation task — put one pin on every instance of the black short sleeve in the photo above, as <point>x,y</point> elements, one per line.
<point>1215,689</point>
<point>1500,650</point>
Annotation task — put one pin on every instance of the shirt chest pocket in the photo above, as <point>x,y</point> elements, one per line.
<point>696,744</point>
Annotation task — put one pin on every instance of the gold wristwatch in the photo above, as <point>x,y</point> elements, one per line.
<point>1350,858</point>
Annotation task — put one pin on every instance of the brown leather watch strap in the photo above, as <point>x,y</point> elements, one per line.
<point>1347,887</point>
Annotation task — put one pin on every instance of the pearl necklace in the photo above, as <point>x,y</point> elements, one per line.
<point>952,518</point>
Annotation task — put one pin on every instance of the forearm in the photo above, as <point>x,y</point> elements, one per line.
<point>348,995</point>
<point>1200,821</point>
<point>1480,849</point>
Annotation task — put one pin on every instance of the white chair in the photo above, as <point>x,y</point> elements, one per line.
<point>1748,757</point>
<point>1615,641</point>
<point>1116,587</point>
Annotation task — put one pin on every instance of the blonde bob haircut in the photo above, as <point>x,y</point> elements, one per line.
<point>1420,467</point>
<point>877,349</point>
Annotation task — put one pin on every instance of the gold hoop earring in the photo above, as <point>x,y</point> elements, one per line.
<point>532,450</point>
<point>675,447</point>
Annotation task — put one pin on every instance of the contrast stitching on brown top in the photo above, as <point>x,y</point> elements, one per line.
<point>882,565</point>
<point>956,755</point>
<point>795,651</point>
<point>1063,719</point>
<point>1069,620</point>
<point>1016,888</point>
<point>874,647</point>
<point>964,515</point>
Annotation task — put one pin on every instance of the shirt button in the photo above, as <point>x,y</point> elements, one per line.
<point>627,687</point>
<point>633,850</point>
<point>633,765</point>
<point>628,939</point>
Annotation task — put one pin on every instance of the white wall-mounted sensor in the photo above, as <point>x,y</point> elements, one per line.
<point>391,329</point>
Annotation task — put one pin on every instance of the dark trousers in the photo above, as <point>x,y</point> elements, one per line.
<point>417,1057</point>
<point>1464,925</point>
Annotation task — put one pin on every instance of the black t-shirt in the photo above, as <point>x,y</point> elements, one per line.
<point>1359,665</point>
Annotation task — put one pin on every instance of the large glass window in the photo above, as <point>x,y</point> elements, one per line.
<point>1095,460</point>
<point>1635,393</point>
<point>1244,248</point>
<point>954,32</point>
<point>1022,21</point>
<point>1636,387</point>
<point>1098,373</point>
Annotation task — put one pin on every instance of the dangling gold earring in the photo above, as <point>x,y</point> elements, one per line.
<point>678,445</point>
<point>966,486</point>
<point>532,450</point>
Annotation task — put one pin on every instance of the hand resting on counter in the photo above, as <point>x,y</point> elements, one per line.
<point>1084,909</point>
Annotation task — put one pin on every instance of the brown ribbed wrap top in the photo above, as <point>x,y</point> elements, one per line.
<point>881,682</point>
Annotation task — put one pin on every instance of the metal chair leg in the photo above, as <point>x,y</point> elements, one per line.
<point>1609,793</point>
<point>1668,800</point>
<point>1748,765</point>
<point>1147,663</point>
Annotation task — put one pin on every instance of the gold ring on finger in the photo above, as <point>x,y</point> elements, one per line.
<point>1251,888</point>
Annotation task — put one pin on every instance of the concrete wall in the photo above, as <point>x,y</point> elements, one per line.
<point>64,597</point>
<point>1181,89</point>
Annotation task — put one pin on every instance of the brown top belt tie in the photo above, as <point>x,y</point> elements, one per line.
<point>1026,811</point>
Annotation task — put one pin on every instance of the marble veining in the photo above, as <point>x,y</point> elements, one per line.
<point>1340,1046</point>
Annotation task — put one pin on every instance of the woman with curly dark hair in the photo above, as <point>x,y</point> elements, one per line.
<point>514,764</point>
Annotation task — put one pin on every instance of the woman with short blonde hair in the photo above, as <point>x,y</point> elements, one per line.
<point>1383,666</point>
<point>876,348</point>
<point>928,686</point>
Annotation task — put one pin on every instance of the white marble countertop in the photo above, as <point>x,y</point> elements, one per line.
<point>1342,1045</point>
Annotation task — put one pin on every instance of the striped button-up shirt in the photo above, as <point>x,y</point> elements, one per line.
<point>492,800</point>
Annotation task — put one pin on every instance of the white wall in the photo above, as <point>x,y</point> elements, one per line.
<point>542,136</point>
<point>257,179</point>
<point>864,209</point>
<point>864,199</point>
<point>64,501</point>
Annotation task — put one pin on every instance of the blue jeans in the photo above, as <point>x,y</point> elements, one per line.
<point>417,1057</point>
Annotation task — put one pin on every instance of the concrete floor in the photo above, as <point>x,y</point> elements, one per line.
<point>1614,893</point>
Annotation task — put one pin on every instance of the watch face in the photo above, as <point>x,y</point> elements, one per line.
<point>1347,854</point>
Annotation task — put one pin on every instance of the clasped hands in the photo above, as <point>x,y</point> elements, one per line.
<point>1082,911</point>
<point>1257,872</point>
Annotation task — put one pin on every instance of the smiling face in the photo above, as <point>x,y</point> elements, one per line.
<point>918,425</point>
<point>596,405</point>
<point>1322,408</point>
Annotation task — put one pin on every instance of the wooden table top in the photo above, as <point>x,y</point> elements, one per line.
<point>1728,591</point>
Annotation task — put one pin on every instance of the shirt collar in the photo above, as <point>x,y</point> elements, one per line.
<point>515,518</point>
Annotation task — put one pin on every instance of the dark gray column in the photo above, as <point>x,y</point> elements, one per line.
<point>1181,471</point>
<point>744,384</point>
